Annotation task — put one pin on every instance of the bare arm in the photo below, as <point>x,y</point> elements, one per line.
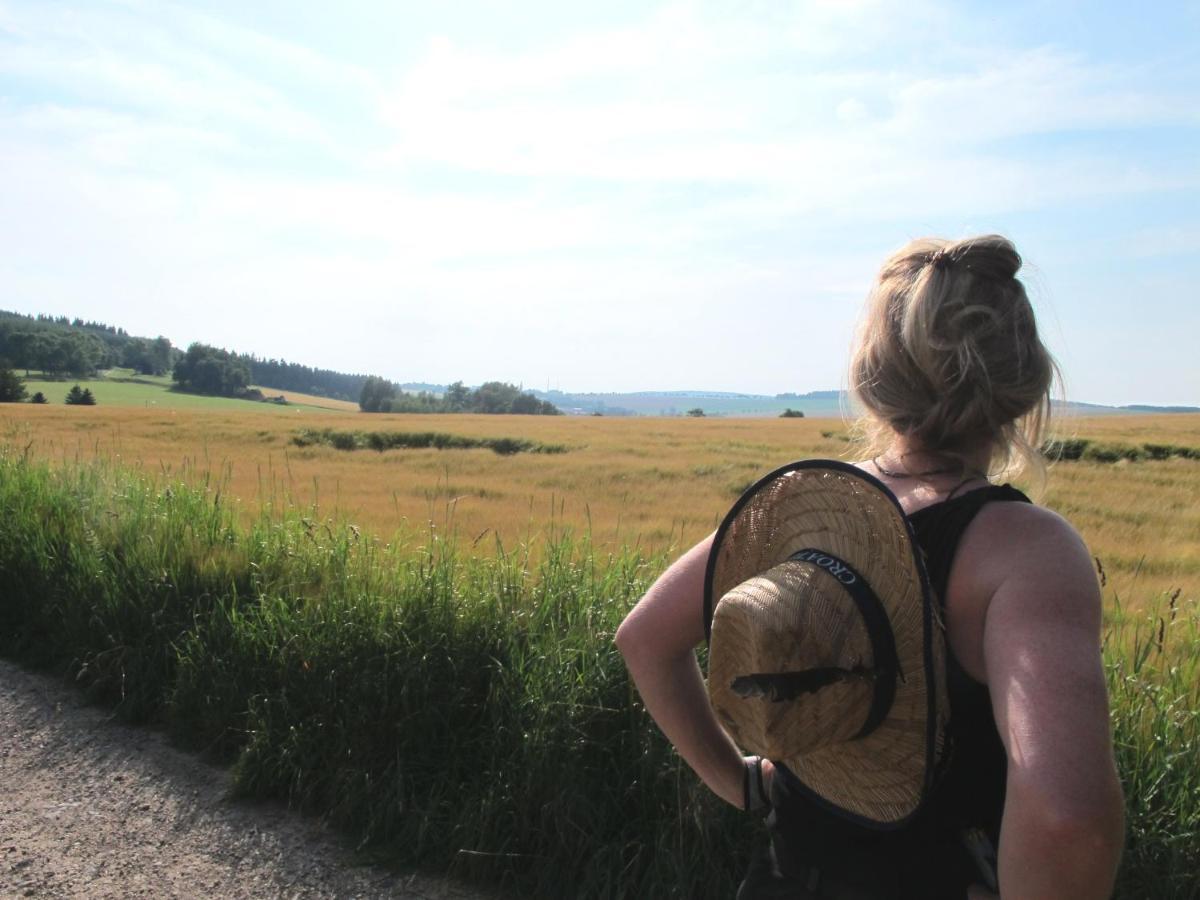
<point>658,640</point>
<point>1062,828</point>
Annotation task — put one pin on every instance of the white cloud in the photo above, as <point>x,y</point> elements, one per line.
<point>742,111</point>
<point>165,70</point>
<point>1029,93</point>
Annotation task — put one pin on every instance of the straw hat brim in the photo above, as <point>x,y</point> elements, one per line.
<point>881,779</point>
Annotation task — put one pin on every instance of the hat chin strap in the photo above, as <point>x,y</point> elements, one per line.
<point>781,686</point>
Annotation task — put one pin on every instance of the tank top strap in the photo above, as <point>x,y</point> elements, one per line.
<point>939,528</point>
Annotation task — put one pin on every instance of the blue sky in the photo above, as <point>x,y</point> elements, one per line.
<point>623,197</point>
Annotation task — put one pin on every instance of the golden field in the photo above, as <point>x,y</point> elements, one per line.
<point>650,481</point>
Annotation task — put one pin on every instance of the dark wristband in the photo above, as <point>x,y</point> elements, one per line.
<point>754,792</point>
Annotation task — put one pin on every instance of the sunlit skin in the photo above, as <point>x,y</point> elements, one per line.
<point>1023,614</point>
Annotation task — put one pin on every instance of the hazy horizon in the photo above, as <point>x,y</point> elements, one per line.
<point>417,383</point>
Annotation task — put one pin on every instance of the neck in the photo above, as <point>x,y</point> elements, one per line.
<point>913,458</point>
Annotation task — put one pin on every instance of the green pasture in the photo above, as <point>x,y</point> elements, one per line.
<point>123,387</point>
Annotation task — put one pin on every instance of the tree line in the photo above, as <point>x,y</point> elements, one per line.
<point>58,346</point>
<point>205,369</point>
<point>287,376</point>
<point>494,397</point>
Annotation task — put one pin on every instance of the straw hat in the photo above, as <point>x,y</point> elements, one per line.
<point>826,654</point>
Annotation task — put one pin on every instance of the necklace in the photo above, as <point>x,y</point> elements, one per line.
<point>926,474</point>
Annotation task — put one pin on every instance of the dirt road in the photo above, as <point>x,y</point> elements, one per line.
<point>91,808</point>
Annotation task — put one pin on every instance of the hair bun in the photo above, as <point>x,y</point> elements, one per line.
<point>990,256</point>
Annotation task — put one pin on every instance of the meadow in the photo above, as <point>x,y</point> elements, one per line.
<point>125,388</point>
<point>417,642</point>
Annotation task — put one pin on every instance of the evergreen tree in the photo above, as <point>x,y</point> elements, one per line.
<point>12,389</point>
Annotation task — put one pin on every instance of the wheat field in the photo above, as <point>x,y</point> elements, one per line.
<point>650,482</point>
<point>437,698</point>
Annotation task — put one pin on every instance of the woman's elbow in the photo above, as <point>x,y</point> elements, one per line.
<point>644,643</point>
<point>1094,834</point>
<point>630,637</point>
<point>1081,836</point>
<point>624,637</point>
<point>1093,819</point>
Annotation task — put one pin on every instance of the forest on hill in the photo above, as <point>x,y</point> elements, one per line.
<point>58,346</point>
<point>62,347</point>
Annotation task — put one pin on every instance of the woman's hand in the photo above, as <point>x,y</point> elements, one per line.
<point>768,775</point>
<point>756,784</point>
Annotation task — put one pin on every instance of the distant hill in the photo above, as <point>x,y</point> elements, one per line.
<point>1097,409</point>
<point>415,387</point>
<point>814,404</point>
<point>1140,408</point>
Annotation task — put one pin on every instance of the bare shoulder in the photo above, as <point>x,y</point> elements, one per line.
<point>1018,523</point>
<point>1020,571</point>
<point>1032,557</point>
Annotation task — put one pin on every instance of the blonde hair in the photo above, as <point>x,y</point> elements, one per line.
<point>948,355</point>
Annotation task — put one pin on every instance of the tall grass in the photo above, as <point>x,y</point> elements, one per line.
<point>1153,661</point>
<point>447,711</point>
<point>458,712</point>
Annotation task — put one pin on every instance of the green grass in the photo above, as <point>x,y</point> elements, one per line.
<point>468,714</point>
<point>122,387</point>
<point>1153,660</point>
<point>1075,449</point>
<point>440,440</point>
<point>455,712</point>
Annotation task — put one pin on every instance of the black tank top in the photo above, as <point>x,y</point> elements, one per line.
<point>927,858</point>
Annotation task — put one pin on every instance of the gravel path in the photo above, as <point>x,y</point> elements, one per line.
<point>91,808</point>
